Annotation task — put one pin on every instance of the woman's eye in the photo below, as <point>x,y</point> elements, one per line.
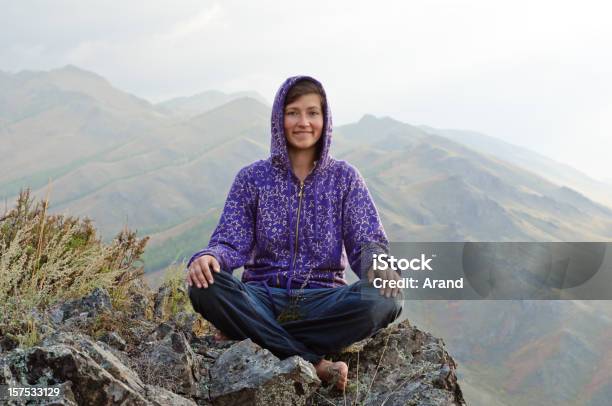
<point>314,113</point>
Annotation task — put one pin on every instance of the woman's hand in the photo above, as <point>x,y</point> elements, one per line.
<point>385,276</point>
<point>201,270</point>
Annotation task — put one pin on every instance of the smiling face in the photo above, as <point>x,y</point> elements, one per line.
<point>304,122</point>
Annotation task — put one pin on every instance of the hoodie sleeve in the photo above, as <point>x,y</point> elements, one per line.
<point>233,239</point>
<point>362,229</point>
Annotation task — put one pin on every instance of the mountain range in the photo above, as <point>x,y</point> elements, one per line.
<point>165,169</point>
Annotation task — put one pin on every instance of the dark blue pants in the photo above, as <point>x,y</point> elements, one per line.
<point>330,319</point>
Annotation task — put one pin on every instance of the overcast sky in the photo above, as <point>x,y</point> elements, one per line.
<point>534,73</point>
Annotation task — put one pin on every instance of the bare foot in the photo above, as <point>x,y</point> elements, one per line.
<point>334,372</point>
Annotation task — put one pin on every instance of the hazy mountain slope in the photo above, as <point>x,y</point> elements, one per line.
<point>116,159</point>
<point>186,107</point>
<point>525,352</point>
<point>28,93</point>
<point>53,122</point>
<point>171,177</point>
<point>552,170</point>
<point>427,180</point>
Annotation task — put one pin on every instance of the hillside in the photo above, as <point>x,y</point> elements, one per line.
<point>450,188</point>
<point>186,107</point>
<point>552,170</point>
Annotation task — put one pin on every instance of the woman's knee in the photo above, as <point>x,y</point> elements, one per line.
<point>199,297</point>
<point>224,284</point>
<point>385,310</point>
<point>204,296</point>
<point>381,307</point>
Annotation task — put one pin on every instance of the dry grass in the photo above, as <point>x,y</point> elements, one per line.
<point>177,300</point>
<point>176,303</point>
<point>153,372</point>
<point>46,258</point>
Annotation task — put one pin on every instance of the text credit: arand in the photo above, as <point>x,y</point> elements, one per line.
<point>384,262</point>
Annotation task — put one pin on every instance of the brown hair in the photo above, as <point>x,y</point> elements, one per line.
<point>302,87</point>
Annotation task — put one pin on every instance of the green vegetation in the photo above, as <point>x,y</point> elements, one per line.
<point>173,302</point>
<point>177,300</point>
<point>45,259</point>
<point>182,246</point>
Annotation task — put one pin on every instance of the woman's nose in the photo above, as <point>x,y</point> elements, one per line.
<point>304,120</point>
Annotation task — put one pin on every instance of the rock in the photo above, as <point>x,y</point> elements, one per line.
<point>104,358</point>
<point>171,301</point>
<point>161,331</point>
<point>56,314</point>
<point>209,347</point>
<point>141,305</point>
<point>161,308</point>
<point>57,364</point>
<point>7,343</point>
<point>89,306</point>
<point>163,397</point>
<point>88,373</point>
<point>170,363</point>
<point>114,340</point>
<point>247,374</point>
<point>401,365</point>
<point>121,355</point>
<point>191,324</point>
<point>139,332</point>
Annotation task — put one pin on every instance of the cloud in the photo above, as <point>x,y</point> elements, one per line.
<point>192,26</point>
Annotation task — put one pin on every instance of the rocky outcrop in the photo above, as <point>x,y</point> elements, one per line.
<point>249,374</point>
<point>402,365</point>
<point>89,306</point>
<point>172,363</point>
<point>84,380</point>
<point>175,360</point>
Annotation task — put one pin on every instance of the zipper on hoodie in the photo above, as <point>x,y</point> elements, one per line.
<point>297,224</point>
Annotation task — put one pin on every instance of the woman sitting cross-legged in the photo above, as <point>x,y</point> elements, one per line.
<point>295,221</point>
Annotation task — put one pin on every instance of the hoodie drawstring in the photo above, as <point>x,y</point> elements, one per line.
<point>289,280</point>
<point>269,292</point>
<point>271,297</point>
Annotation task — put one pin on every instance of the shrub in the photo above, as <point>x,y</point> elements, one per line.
<point>45,259</point>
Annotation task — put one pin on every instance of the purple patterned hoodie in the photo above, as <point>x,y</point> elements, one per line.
<point>297,235</point>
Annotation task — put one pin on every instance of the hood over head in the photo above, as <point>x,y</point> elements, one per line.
<point>278,146</point>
